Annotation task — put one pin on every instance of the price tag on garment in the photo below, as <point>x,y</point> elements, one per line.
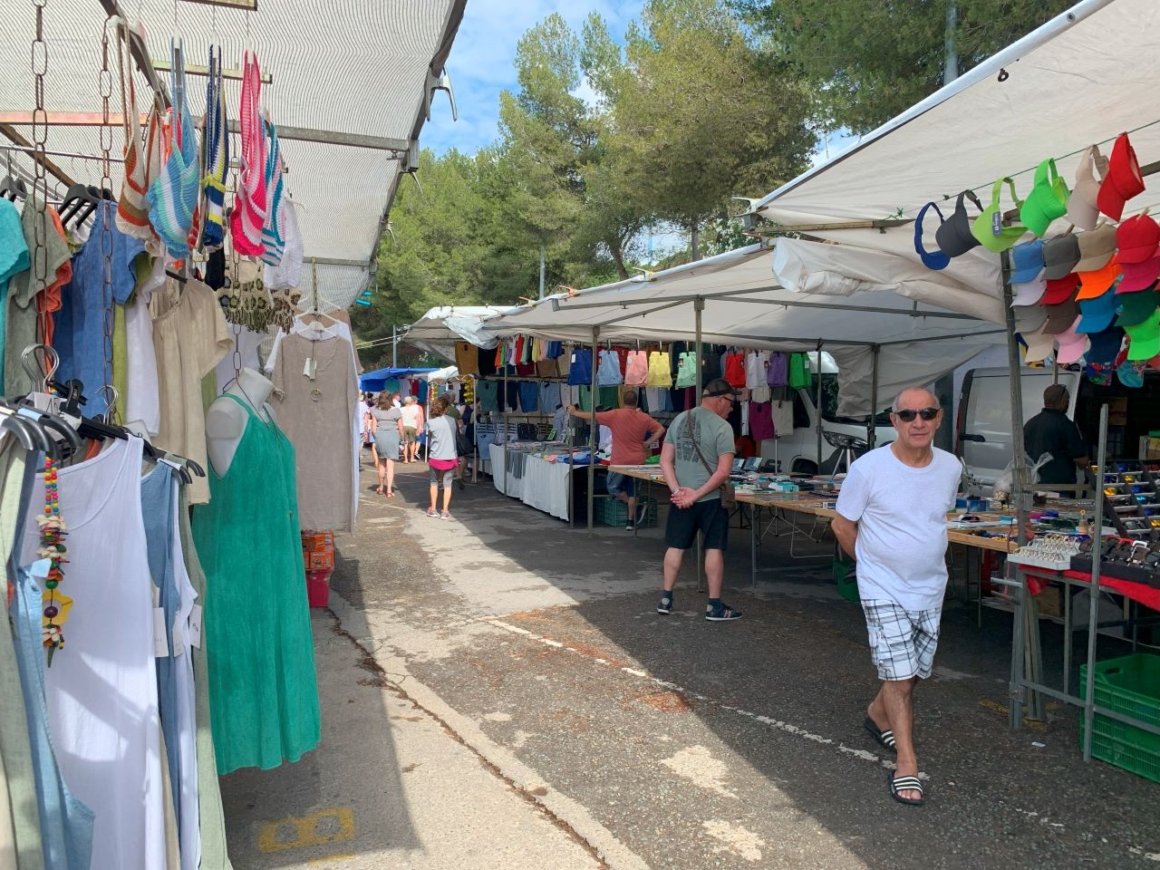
<point>160,643</point>
<point>178,638</point>
<point>311,368</point>
<point>195,627</point>
<point>996,224</point>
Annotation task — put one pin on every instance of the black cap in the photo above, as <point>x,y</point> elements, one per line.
<point>720,387</point>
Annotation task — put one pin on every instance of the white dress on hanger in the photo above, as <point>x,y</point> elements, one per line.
<point>101,690</point>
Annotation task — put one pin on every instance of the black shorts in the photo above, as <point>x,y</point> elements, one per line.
<point>708,516</point>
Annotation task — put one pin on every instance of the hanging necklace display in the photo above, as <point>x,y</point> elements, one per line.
<point>53,531</point>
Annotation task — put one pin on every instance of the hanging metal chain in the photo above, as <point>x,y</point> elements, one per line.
<point>39,156</point>
<point>105,213</point>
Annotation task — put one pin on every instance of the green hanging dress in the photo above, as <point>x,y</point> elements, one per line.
<point>256,620</point>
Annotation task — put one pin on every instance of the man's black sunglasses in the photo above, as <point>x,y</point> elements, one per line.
<point>908,415</point>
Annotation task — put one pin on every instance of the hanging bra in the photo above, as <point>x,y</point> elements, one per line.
<point>143,157</point>
<point>250,202</point>
<point>173,196</point>
<point>273,239</point>
<point>216,142</point>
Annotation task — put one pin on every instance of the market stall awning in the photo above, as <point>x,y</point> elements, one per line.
<point>745,305</point>
<point>373,382</point>
<point>1083,78</point>
<point>349,93</point>
<point>440,328</point>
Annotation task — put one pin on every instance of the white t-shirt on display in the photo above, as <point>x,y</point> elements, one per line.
<point>755,363</point>
<point>902,525</point>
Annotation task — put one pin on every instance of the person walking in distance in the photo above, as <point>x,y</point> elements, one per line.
<point>892,517</point>
<point>387,427</point>
<point>696,459</point>
<point>412,424</point>
<point>441,455</point>
<point>633,431</point>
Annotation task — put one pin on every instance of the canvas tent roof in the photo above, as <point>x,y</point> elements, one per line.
<point>349,90</point>
<point>1081,79</point>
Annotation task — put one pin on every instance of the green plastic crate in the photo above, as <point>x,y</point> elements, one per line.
<point>611,511</point>
<point>1128,685</point>
<point>847,579</point>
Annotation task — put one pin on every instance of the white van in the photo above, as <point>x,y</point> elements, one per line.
<point>797,451</point>
<point>983,430</point>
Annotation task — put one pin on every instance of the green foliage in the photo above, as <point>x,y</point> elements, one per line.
<point>870,60</point>
<point>703,114</point>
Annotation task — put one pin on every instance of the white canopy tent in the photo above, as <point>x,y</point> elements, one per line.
<point>743,304</point>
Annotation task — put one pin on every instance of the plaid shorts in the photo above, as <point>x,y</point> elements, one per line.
<point>902,642</point>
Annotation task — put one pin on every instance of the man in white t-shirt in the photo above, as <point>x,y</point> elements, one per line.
<point>892,516</point>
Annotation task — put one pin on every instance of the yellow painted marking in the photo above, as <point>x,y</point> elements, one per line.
<point>306,831</point>
<point>341,856</point>
<point>1006,711</point>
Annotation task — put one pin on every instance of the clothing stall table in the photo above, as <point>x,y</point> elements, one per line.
<point>534,480</point>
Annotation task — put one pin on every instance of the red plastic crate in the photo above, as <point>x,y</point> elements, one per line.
<point>318,588</point>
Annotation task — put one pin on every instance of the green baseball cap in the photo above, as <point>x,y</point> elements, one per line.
<point>988,227</point>
<point>1047,200</point>
<point>1135,308</point>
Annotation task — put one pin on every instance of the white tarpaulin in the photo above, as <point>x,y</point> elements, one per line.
<point>437,331</point>
<point>447,374</point>
<point>1081,79</point>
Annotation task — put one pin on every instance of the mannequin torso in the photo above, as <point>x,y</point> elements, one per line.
<point>225,421</point>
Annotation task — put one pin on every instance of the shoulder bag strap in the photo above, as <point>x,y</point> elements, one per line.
<point>693,438</point>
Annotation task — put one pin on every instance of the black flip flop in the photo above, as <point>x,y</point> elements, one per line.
<point>886,738</point>
<point>905,783</point>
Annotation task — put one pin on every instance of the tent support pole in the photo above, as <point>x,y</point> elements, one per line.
<point>503,431</point>
<point>698,307</point>
<point>593,430</point>
<point>871,428</point>
<point>1026,628</point>
<point>818,405</point>
<point>1094,600</point>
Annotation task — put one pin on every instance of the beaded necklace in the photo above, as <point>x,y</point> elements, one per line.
<point>53,531</point>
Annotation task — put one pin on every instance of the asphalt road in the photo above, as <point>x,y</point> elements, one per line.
<point>560,722</point>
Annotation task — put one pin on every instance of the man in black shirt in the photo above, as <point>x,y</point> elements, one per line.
<point>1051,431</point>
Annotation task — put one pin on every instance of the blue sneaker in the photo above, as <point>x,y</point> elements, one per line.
<point>721,613</point>
<point>666,605</point>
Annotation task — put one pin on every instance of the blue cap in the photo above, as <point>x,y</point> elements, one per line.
<point>1026,262</point>
<point>1105,346</point>
<point>937,260</point>
<point>1098,313</point>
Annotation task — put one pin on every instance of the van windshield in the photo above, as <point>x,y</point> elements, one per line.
<point>830,403</point>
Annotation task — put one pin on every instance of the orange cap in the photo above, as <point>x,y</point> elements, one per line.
<point>1096,283</point>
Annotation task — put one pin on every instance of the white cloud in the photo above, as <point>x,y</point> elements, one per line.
<point>482,63</point>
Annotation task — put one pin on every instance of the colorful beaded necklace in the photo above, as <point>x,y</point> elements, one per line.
<point>53,531</point>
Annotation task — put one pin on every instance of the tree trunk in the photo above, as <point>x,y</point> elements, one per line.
<point>695,241</point>
<point>616,250</point>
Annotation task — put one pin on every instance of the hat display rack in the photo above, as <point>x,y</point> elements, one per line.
<point>1089,297</point>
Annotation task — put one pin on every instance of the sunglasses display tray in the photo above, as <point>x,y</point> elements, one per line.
<point>1132,497</point>
<point>1117,571</point>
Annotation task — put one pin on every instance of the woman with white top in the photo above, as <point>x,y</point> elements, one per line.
<point>412,423</point>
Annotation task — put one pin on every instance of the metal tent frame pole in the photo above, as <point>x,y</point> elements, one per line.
<point>871,428</point>
<point>503,429</point>
<point>698,308</point>
<point>1094,601</point>
<point>593,430</point>
<point>1025,635</point>
<point>818,404</point>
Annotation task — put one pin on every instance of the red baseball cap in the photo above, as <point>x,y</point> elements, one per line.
<point>1139,276</point>
<point>1060,290</point>
<point>1137,238</point>
<point>1123,180</point>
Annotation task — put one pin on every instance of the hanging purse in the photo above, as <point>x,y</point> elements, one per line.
<point>728,493</point>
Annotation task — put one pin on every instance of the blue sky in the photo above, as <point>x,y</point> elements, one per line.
<point>482,62</point>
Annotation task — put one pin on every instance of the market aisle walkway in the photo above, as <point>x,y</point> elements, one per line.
<point>654,742</point>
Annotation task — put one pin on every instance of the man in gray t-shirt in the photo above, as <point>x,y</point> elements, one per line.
<point>696,459</point>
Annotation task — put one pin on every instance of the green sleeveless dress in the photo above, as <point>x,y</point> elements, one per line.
<point>256,621</point>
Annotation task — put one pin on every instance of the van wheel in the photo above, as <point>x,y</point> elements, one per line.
<point>804,466</point>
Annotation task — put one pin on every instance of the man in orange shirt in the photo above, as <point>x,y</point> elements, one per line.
<point>632,429</point>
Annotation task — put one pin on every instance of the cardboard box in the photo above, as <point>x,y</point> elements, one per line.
<point>318,561</point>
<point>1050,602</point>
<point>318,542</point>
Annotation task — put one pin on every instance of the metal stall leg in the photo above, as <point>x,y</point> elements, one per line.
<point>593,430</point>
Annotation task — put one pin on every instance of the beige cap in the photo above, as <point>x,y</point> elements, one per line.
<point>1081,207</point>
<point>1096,248</point>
